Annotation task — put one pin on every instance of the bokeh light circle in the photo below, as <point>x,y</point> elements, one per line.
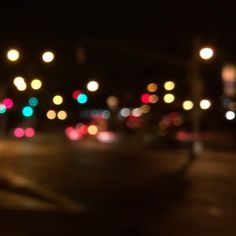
<point>29,132</point>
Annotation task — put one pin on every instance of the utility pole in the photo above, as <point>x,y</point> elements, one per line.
<point>197,90</point>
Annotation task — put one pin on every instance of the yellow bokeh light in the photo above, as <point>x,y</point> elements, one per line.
<point>187,105</point>
<point>206,53</point>
<point>145,108</point>
<point>22,87</point>
<point>169,85</point>
<point>36,84</point>
<point>57,99</point>
<point>92,130</point>
<point>169,98</point>
<point>62,115</point>
<point>51,114</point>
<point>152,87</point>
<point>48,56</point>
<point>18,81</point>
<point>205,104</point>
<point>13,55</point>
<point>153,99</point>
<point>92,86</point>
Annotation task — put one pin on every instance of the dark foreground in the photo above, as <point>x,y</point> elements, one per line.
<point>57,188</point>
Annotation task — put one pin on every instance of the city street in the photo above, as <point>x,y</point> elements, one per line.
<point>53,187</point>
<point>117,118</point>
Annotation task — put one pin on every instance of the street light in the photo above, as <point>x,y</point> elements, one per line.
<point>48,56</point>
<point>13,55</point>
<point>205,104</point>
<point>197,86</point>
<point>92,86</point>
<point>206,53</point>
<point>229,115</point>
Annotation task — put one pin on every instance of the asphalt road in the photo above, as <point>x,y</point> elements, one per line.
<point>53,187</point>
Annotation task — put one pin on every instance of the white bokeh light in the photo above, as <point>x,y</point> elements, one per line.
<point>92,86</point>
<point>205,104</point>
<point>206,53</point>
<point>229,115</point>
<point>48,56</point>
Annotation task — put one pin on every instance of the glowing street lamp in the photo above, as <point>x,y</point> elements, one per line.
<point>205,104</point>
<point>197,87</point>
<point>206,53</point>
<point>48,56</point>
<point>13,55</point>
<point>92,86</point>
<point>230,115</point>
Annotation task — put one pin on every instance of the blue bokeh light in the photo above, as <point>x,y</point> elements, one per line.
<point>33,101</point>
<point>2,109</point>
<point>82,98</point>
<point>27,111</point>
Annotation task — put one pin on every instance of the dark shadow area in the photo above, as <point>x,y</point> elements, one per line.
<point>117,207</point>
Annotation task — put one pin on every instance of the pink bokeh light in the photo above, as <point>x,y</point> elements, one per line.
<point>19,132</point>
<point>29,132</point>
<point>8,103</point>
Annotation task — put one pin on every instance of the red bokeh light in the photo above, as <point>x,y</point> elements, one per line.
<point>145,98</point>
<point>75,94</point>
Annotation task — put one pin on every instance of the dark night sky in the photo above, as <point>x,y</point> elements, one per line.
<point>131,41</point>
